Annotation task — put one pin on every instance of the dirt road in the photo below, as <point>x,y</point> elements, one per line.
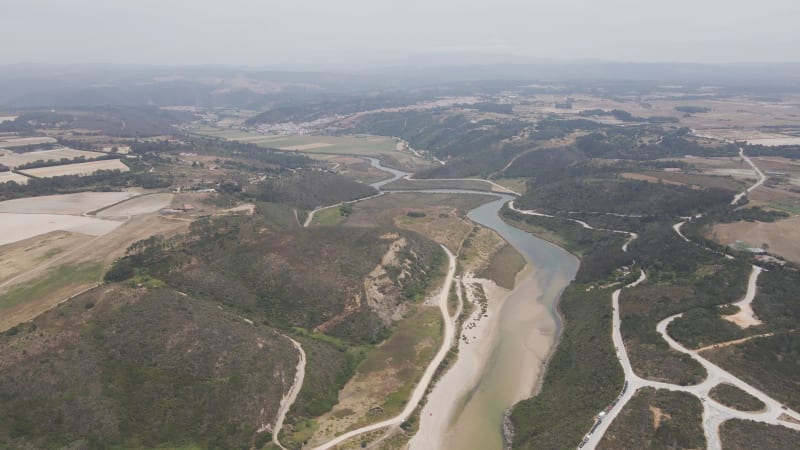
<point>427,377</point>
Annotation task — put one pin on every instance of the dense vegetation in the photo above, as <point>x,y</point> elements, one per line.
<point>309,190</point>
<point>657,419</point>
<point>620,197</point>
<point>730,395</point>
<point>737,434</point>
<point>768,363</point>
<point>121,367</point>
<point>582,378</point>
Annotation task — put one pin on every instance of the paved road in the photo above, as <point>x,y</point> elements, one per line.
<point>422,386</point>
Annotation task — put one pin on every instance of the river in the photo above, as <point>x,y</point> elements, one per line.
<point>466,412</point>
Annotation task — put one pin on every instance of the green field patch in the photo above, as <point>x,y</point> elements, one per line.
<point>55,279</point>
<point>784,207</point>
<point>328,216</point>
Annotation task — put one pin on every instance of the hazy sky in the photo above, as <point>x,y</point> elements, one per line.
<point>271,32</point>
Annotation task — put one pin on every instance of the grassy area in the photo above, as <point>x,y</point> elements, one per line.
<point>504,266</point>
<point>406,353</point>
<point>657,419</point>
<point>784,207</point>
<point>329,216</point>
<point>730,395</point>
<point>471,185</point>
<point>519,185</point>
<point>746,435</point>
<point>58,278</point>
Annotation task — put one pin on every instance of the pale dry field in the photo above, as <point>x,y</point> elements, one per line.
<point>86,168</point>
<point>82,202</point>
<point>25,255</point>
<point>103,249</point>
<point>723,166</point>
<point>13,160</point>
<point>311,146</point>
<point>19,142</point>
<point>16,227</point>
<point>782,236</point>
<point>11,176</point>
<point>139,205</point>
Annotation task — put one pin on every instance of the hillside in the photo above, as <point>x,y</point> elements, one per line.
<point>129,367</point>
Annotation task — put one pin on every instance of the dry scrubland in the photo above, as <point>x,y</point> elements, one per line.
<point>86,168</point>
<point>442,218</point>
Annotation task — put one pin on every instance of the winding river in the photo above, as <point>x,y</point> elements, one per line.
<point>469,415</point>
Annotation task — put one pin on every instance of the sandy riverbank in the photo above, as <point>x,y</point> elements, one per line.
<point>466,422</point>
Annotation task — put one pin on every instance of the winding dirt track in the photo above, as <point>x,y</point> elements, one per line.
<point>714,413</point>
<point>288,400</point>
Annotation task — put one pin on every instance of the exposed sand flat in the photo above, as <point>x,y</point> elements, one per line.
<point>19,142</point>
<point>82,202</point>
<point>11,176</point>
<point>13,160</point>
<point>86,168</point>
<point>7,118</point>
<point>311,146</point>
<point>473,353</point>
<point>529,329</point>
<point>140,205</point>
<point>16,227</point>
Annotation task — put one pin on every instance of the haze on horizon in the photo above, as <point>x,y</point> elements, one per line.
<point>362,32</point>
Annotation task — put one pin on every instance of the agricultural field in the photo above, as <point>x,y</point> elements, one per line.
<point>361,145</point>
<point>11,159</point>
<point>11,176</point>
<point>733,167</point>
<point>16,227</point>
<point>79,203</point>
<point>21,142</point>
<point>86,168</point>
<point>782,236</point>
<point>688,179</point>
